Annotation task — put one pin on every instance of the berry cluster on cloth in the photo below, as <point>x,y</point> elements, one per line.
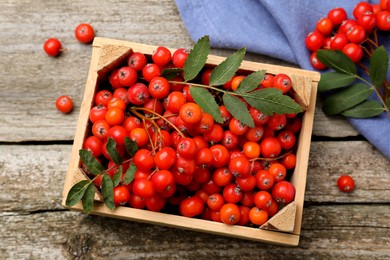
<point>277,29</point>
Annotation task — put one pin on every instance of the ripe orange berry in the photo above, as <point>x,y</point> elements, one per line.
<point>236,82</point>
<point>251,150</point>
<point>190,113</point>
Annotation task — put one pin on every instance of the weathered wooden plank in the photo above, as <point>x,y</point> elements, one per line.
<point>37,173</point>
<point>329,160</point>
<point>31,81</point>
<point>329,232</point>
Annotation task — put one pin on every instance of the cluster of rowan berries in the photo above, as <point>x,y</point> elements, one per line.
<point>350,35</point>
<point>186,161</point>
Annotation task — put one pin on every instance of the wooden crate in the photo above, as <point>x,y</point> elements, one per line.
<point>283,228</point>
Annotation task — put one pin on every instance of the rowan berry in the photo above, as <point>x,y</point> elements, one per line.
<point>190,113</point>
<point>52,47</point>
<point>179,57</point>
<point>137,61</point>
<point>159,87</point>
<point>161,56</point>
<point>346,183</point>
<point>64,104</point>
<point>84,33</point>
<point>230,213</point>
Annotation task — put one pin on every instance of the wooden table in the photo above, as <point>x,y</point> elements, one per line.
<point>36,141</point>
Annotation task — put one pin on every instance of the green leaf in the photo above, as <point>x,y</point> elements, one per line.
<point>112,152</point>
<point>117,176</point>
<point>337,60</point>
<point>196,58</point>
<point>207,102</point>
<point>226,69</point>
<point>108,191</point>
<point>345,99</point>
<point>129,175</point>
<point>334,80</point>
<point>251,82</point>
<point>379,62</point>
<point>131,146</point>
<point>388,102</point>
<point>77,192</point>
<point>88,198</point>
<point>369,108</point>
<point>271,100</point>
<point>92,164</point>
<point>238,109</point>
<point>170,73</point>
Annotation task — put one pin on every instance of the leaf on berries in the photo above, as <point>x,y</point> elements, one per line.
<point>131,146</point>
<point>117,176</point>
<point>92,164</point>
<point>238,109</point>
<point>346,99</point>
<point>251,82</point>
<point>337,60</point>
<point>108,191</point>
<point>368,108</point>
<point>88,198</point>
<point>334,80</point>
<point>170,73</point>
<point>272,100</point>
<point>226,69</point>
<point>129,175</point>
<point>388,102</point>
<point>379,63</point>
<point>112,152</point>
<point>207,102</point>
<point>77,192</point>
<point>196,58</point>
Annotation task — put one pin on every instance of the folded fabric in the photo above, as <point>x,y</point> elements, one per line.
<point>277,29</point>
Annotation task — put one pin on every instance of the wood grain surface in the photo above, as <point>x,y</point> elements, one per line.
<point>35,144</point>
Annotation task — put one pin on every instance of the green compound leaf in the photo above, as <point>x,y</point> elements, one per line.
<point>131,146</point>
<point>368,108</point>
<point>88,198</point>
<point>271,100</point>
<point>92,164</point>
<point>337,60</point>
<point>112,152</point>
<point>251,82</point>
<point>108,191</point>
<point>226,69</point>
<point>335,80</point>
<point>379,62</point>
<point>345,99</point>
<point>196,58</point>
<point>129,175</point>
<point>76,193</point>
<point>207,102</point>
<point>170,73</point>
<point>238,109</point>
<point>116,179</point>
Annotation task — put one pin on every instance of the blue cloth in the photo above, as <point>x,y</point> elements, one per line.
<point>277,29</point>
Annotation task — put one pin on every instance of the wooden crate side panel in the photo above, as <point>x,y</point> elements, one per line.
<point>74,175</point>
<point>212,59</point>
<point>146,216</point>
<point>299,176</point>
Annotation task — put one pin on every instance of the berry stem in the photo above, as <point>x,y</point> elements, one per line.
<point>375,44</point>
<point>134,110</point>
<point>147,132</point>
